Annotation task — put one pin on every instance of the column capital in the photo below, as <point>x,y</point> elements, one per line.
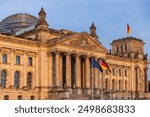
<point>77,54</point>
<point>57,51</point>
<point>67,53</point>
<point>49,54</point>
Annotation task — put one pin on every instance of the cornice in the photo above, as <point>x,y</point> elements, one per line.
<point>17,40</point>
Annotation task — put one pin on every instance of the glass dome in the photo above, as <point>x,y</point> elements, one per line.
<point>14,23</point>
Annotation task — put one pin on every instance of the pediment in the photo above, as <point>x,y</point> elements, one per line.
<point>83,40</point>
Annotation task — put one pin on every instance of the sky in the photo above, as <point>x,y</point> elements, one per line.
<point>110,16</point>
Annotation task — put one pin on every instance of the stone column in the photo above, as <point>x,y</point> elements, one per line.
<point>60,70</point>
<point>146,79</point>
<point>96,81</point>
<point>87,64</point>
<point>78,74</point>
<point>68,71</point>
<point>57,54</point>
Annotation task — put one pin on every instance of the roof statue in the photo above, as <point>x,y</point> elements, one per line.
<point>93,30</point>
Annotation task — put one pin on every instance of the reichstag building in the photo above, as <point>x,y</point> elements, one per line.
<point>41,63</point>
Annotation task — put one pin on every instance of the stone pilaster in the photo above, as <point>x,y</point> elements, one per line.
<point>137,81</point>
<point>12,69</point>
<point>25,59</point>
<point>123,70</point>
<point>50,71</point>
<point>37,79</point>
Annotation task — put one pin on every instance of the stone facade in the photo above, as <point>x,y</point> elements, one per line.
<point>45,63</point>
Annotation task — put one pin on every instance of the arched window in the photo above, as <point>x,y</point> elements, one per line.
<point>3,78</point>
<point>6,97</point>
<point>119,72</point>
<point>29,80</point>
<point>117,49</point>
<point>20,97</point>
<point>17,79</point>
<point>126,73</point>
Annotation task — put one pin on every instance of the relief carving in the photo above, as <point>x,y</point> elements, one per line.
<point>18,52</point>
<point>80,42</point>
<point>4,50</point>
<point>32,54</point>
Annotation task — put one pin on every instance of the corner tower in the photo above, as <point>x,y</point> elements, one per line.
<point>127,46</point>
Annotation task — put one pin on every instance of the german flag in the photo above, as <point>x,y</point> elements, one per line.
<point>105,66</point>
<point>128,29</point>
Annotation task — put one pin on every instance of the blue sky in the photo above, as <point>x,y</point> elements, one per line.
<point>109,16</point>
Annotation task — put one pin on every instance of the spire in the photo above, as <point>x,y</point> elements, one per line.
<point>93,30</point>
<point>42,18</point>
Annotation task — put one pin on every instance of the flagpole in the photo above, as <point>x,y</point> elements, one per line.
<point>102,83</point>
<point>99,80</point>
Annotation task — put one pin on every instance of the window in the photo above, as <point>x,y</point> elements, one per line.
<point>17,79</point>
<point>4,58</point>
<point>126,48</point>
<point>3,78</point>
<point>29,80</point>
<point>18,60</point>
<point>32,97</point>
<point>113,71</point>
<point>126,73</point>
<point>119,72</point>
<point>19,97</point>
<point>6,97</point>
<point>30,61</point>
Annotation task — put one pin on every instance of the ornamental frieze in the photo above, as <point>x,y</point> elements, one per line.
<point>32,54</point>
<point>5,50</point>
<point>18,52</point>
<point>80,42</point>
